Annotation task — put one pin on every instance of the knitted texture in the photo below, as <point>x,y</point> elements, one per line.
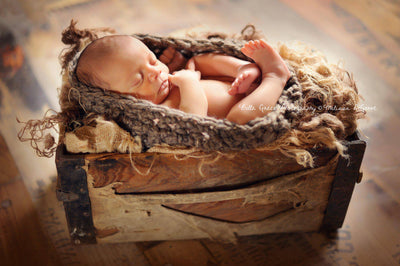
<point>156,124</point>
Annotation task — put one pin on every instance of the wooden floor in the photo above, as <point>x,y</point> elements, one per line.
<point>365,35</point>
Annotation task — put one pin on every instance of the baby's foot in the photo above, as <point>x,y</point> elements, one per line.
<point>247,75</point>
<point>266,57</point>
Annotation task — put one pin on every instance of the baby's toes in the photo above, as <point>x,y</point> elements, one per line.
<point>258,44</point>
<point>240,78</point>
<point>232,91</point>
<point>244,83</point>
<point>244,76</point>
<point>234,87</point>
<point>255,45</point>
<point>262,43</point>
<point>236,83</point>
<point>247,50</point>
<point>250,45</point>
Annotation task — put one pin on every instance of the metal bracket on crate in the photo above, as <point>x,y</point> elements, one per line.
<point>347,175</point>
<point>72,190</point>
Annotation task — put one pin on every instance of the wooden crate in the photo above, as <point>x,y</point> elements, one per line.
<point>243,193</point>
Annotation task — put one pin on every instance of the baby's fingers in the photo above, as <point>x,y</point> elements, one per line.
<point>198,74</point>
<point>190,64</point>
<point>174,77</point>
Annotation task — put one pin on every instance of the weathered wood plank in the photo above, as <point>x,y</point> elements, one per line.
<point>143,217</point>
<point>382,18</point>
<point>354,244</point>
<point>195,173</point>
<point>179,253</point>
<point>72,189</point>
<point>383,156</point>
<point>235,210</point>
<point>9,170</point>
<point>347,25</point>
<point>347,174</point>
<point>22,239</point>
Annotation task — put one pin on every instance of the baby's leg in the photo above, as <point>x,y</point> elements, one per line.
<point>247,75</point>
<point>267,59</point>
<point>274,77</point>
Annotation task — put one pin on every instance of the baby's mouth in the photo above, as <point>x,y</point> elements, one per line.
<point>164,88</point>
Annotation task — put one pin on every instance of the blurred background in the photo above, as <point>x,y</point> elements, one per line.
<point>364,36</point>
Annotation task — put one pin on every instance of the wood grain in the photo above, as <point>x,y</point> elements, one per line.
<point>196,173</point>
<point>357,26</point>
<point>180,253</point>
<point>235,210</point>
<point>144,217</point>
<point>10,172</point>
<point>381,18</point>
<point>22,239</point>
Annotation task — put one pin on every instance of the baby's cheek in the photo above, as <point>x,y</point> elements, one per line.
<point>165,69</point>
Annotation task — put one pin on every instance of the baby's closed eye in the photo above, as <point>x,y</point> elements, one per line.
<point>136,80</point>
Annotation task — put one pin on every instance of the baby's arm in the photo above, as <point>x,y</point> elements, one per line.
<point>193,98</point>
<point>213,65</point>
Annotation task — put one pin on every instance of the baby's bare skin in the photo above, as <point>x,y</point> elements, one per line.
<point>275,74</point>
<point>247,75</point>
<point>243,103</point>
<point>126,65</point>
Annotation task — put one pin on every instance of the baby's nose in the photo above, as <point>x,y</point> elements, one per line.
<point>153,74</point>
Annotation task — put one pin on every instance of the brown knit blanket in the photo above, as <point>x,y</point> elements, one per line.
<point>156,125</point>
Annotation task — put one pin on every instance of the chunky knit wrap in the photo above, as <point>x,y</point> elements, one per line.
<point>159,125</point>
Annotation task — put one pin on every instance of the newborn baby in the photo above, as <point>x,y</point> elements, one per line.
<point>211,84</point>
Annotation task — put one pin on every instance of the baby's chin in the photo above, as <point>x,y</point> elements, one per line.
<point>163,92</point>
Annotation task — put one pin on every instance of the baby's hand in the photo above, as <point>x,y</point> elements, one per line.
<point>185,77</point>
<point>173,59</point>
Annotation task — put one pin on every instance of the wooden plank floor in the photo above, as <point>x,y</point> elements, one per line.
<point>365,35</point>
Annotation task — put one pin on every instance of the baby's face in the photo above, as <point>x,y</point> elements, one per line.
<point>134,69</point>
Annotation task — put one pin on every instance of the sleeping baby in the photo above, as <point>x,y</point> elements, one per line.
<point>211,84</point>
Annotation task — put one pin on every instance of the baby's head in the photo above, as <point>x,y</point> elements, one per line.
<point>123,64</point>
